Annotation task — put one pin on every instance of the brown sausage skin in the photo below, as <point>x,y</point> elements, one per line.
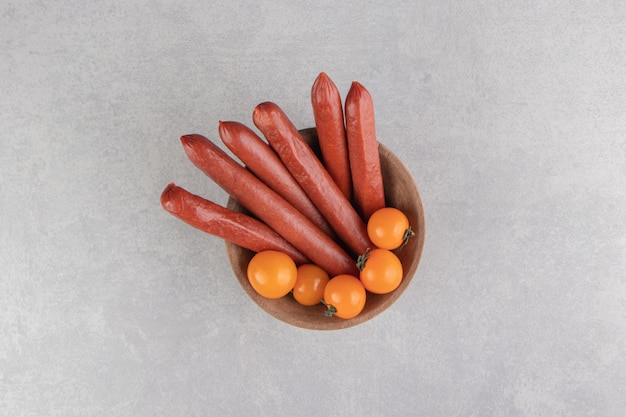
<point>367,179</point>
<point>312,176</point>
<point>219,221</point>
<point>259,158</point>
<point>267,205</point>
<point>331,131</point>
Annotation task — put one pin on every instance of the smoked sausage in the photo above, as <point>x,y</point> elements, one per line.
<point>367,180</point>
<point>304,165</point>
<point>331,131</point>
<point>227,224</point>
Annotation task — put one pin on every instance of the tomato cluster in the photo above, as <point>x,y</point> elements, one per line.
<point>273,274</point>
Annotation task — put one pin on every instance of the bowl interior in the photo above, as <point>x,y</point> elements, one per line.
<point>400,192</point>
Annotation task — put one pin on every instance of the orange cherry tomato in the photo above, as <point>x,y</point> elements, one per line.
<point>272,274</point>
<point>344,296</point>
<point>310,283</point>
<point>388,228</point>
<point>381,271</point>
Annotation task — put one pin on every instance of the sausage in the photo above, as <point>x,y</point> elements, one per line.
<point>267,205</point>
<point>227,224</point>
<point>259,158</point>
<point>367,179</point>
<point>331,131</point>
<point>312,176</point>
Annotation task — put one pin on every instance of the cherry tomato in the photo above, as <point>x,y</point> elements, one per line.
<point>388,228</point>
<point>310,283</point>
<point>272,274</point>
<point>381,271</point>
<point>344,296</point>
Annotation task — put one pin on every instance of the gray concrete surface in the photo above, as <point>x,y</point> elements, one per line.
<point>510,115</point>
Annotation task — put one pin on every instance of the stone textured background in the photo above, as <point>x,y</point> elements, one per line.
<point>510,115</point>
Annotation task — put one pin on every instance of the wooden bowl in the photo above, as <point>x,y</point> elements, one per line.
<point>400,192</point>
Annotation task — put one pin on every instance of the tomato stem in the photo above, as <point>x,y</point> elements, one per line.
<point>408,233</point>
<point>331,310</point>
<point>360,261</point>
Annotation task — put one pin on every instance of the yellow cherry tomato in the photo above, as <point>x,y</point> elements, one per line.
<point>310,283</point>
<point>381,271</point>
<point>272,274</point>
<point>388,228</point>
<point>344,296</point>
